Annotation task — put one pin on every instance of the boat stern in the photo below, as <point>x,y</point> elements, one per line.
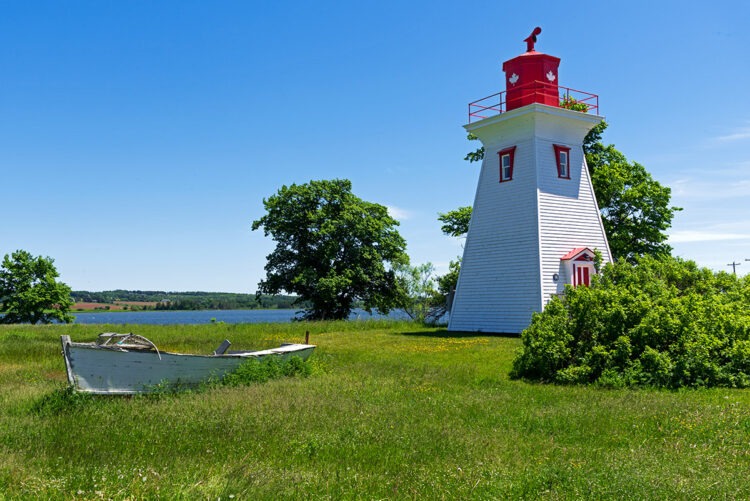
<point>65,341</point>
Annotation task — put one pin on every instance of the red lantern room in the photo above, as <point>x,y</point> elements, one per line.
<point>531,77</point>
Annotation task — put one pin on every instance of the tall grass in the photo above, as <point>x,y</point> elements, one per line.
<point>400,411</point>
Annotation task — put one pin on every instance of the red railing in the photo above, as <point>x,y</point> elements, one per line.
<point>532,92</point>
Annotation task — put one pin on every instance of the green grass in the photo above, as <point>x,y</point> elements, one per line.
<point>397,411</point>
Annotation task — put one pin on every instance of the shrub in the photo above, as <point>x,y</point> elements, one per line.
<point>61,400</point>
<point>660,322</point>
<point>254,370</point>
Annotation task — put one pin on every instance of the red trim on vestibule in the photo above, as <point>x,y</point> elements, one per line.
<point>570,255</point>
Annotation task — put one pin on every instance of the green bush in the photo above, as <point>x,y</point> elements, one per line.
<point>660,322</point>
<point>256,370</point>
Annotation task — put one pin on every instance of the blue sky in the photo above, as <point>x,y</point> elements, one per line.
<point>138,139</point>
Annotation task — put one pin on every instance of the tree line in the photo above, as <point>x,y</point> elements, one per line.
<point>188,300</point>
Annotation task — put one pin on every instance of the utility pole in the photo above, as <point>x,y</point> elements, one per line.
<point>735,265</point>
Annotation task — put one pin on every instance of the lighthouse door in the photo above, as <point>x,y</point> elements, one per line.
<point>582,275</point>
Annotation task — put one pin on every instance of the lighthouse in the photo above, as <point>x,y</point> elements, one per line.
<point>535,224</point>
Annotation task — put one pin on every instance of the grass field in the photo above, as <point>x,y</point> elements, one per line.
<point>394,411</point>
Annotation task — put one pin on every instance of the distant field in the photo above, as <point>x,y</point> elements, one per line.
<point>117,305</point>
<point>394,411</point>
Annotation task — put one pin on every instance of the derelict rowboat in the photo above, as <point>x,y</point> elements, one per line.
<point>128,364</point>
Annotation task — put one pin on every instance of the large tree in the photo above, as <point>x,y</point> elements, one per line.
<point>333,249</point>
<point>635,208</point>
<point>29,291</point>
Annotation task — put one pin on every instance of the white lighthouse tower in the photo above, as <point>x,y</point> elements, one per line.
<point>535,224</point>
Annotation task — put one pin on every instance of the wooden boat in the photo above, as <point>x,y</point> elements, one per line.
<point>128,364</point>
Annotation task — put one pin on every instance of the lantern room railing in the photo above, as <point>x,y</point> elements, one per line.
<point>536,91</point>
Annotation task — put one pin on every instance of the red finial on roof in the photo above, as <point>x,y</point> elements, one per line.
<point>531,40</point>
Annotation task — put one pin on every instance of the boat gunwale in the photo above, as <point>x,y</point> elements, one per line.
<point>286,348</point>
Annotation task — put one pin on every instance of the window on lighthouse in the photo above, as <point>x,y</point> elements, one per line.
<point>507,167</point>
<point>506,163</point>
<point>564,164</point>
<point>562,156</point>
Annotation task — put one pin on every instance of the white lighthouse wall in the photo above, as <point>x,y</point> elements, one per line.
<point>568,213</point>
<point>568,216</point>
<point>499,284</point>
<point>521,228</point>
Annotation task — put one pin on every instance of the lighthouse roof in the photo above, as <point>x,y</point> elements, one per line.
<point>575,253</point>
<point>532,55</point>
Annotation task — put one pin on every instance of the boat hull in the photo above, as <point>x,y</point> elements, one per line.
<point>93,369</point>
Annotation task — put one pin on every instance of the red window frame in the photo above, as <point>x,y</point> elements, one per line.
<point>511,153</point>
<point>559,149</point>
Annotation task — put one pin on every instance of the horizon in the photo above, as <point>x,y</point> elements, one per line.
<point>136,152</point>
<point>145,291</point>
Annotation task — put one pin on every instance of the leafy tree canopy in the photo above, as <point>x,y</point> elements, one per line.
<point>332,249</point>
<point>418,283</point>
<point>29,291</point>
<point>456,222</point>
<point>635,208</point>
<point>659,322</point>
<point>427,296</point>
<point>441,298</point>
<point>476,155</point>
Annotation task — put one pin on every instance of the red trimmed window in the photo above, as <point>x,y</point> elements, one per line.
<point>506,163</point>
<point>562,157</point>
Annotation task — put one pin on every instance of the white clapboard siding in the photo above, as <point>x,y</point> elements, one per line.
<point>568,215</point>
<point>520,229</point>
<point>492,297</point>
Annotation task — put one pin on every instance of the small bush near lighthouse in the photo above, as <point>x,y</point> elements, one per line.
<point>661,322</point>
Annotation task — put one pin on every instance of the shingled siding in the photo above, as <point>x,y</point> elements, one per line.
<point>498,288</point>
<point>566,222</point>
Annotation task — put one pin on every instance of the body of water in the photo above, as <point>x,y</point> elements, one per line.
<point>207,316</point>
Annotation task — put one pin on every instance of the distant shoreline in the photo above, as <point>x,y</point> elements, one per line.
<point>133,306</point>
<point>124,300</point>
